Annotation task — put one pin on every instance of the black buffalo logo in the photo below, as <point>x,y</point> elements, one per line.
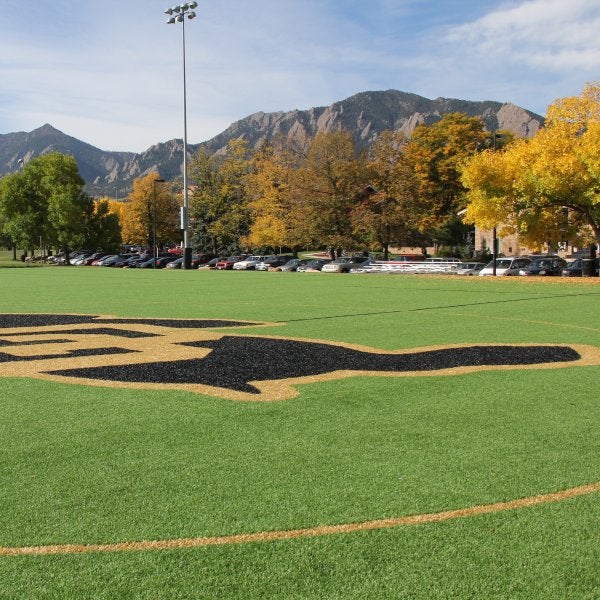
<point>193,354</point>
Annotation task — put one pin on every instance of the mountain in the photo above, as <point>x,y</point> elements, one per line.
<point>365,115</point>
<point>94,164</point>
<point>368,113</point>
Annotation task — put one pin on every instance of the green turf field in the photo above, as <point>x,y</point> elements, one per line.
<point>85,465</point>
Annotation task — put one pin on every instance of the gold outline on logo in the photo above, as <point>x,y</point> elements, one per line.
<point>165,344</point>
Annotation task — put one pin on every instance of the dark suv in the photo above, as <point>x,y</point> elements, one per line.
<point>547,266</point>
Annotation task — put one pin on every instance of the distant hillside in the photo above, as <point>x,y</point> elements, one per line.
<point>94,164</point>
<point>365,115</point>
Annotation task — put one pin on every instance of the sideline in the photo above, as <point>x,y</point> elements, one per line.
<point>270,536</point>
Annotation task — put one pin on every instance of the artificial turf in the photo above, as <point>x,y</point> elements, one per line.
<point>81,464</point>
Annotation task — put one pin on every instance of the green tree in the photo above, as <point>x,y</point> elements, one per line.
<point>45,202</point>
<point>436,153</point>
<point>324,191</point>
<point>386,211</point>
<point>102,226</point>
<point>24,208</point>
<point>219,210</point>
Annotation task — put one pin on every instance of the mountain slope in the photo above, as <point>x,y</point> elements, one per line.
<point>365,115</point>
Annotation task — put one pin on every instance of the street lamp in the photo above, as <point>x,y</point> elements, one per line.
<point>177,14</point>
<point>154,248</point>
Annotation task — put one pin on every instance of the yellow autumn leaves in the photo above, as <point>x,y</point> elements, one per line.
<point>546,188</point>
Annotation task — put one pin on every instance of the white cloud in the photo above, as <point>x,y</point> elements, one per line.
<point>546,34</point>
<point>111,75</point>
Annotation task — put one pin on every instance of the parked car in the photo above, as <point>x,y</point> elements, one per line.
<point>78,257</point>
<point>469,268</point>
<point>249,263</point>
<point>100,261</point>
<point>549,266</point>
<point>316,264</point>
<point>575,267</point>
<point>344,264</point>
<point>135,261</point>
<point>163,261</point>
<point>160,262</point>
<point>292,264</point>
<point>272,262</point>
<point>506,266</point>
<point>115,260</point>
<point>227,264</point>
<point>197,261</point>
<point>90,259</point>
<point>212,263</point>
<point>79,260</point>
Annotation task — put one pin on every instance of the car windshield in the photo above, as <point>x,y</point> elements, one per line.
<point>541,263</point>
<point>502,263</point>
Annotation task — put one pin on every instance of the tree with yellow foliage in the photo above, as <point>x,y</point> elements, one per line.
<point>548,187</point>
<point>267,186</point>
<point>139,211</point>
<point>436,153</point>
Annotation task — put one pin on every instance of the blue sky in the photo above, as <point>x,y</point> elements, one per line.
<point>110,73</point>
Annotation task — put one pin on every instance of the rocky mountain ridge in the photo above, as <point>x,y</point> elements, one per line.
<point>365,115</point>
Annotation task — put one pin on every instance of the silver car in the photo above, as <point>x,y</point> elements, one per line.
<point>508,265</point>
<point>248,263</point>
<point>344,264</point>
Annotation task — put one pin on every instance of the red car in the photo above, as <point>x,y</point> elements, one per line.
<point>228,263</point>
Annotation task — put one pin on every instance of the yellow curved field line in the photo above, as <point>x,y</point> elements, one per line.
<point>269,536</point>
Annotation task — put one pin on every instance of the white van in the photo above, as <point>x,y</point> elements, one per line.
<point>507,265</point>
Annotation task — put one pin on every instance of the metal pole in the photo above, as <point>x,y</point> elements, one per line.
<point>494,234</point>
<point>154,224</point>
<point>155,249</point>
<point>183,10</point>
<point>494,251</point>
<point>187,251</point>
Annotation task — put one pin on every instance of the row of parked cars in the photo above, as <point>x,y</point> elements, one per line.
<point>542,265</point>
<point>537,265</point>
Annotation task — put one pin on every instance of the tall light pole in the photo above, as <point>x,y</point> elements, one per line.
<point>177,14</point>
<point>154,248</point>
<point>496,136</point>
